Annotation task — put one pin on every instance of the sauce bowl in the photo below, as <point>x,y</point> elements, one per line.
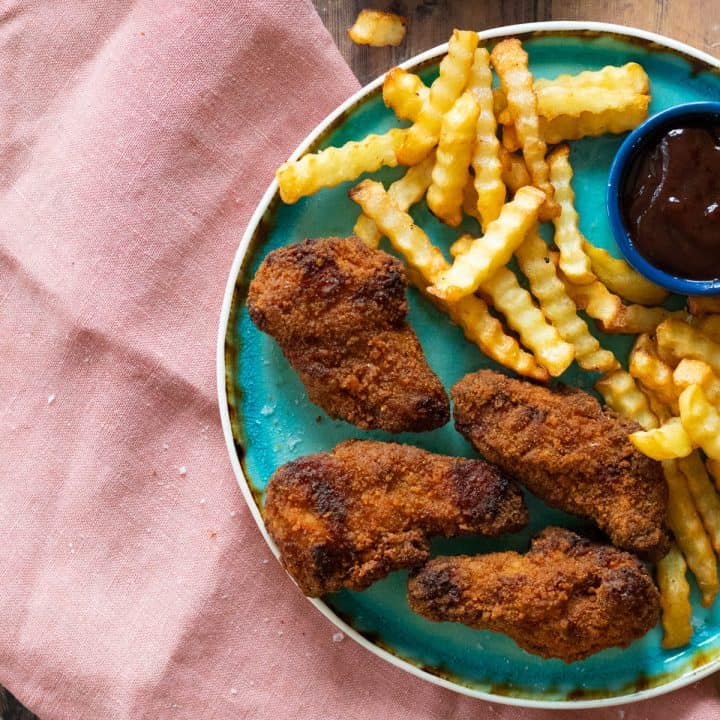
<point>640,139</point>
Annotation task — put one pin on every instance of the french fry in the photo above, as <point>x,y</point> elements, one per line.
<point>701,420</point>
<point>704,304</point>
<point>557,101</point>
<point>560,310</point>
<point>514,171</point>
<point>574,263</point>
<point>696,372</point>
<point>404,93</point>
<point>334,165</point>
<point>511,64</point>
<point>499,102</point>
<point>622,279</point>
<point>516,304</point>
<point>652,372</point>
<point>612,316</point>
<point>461,245</point>
<point>620,393</point>
<point>713,467</point>
<point>597,301</point>
<point>493,250</point>
<point>659,409</point>
<point>378,29</point>
<point>665,442</point>
<point>405,192</point>
<point>470,201</point>
<point>630,77</point>
<point>486,153</point>
<point>681,341</point>
<point>480,327</point>
<point>510,139</point>
<point>426,261</point>
<point>708,325</point>
<point>704,495</point>
<point>674,599</point>
<point>613,120</point>
<point>689,532</point>
<point>454,72</point>
<point>451,172</point>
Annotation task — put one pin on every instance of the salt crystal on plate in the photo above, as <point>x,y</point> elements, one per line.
<point>338,637</point>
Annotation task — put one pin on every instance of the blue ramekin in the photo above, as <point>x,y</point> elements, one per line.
<point>634,143</point>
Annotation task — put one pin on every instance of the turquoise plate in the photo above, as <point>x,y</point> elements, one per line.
<point>268,419</point>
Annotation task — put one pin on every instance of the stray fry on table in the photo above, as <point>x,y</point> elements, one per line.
<point>378,28</point>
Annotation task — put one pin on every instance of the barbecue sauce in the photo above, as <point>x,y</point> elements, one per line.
<point>671,202</point>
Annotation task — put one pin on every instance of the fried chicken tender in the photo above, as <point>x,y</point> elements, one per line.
<point>338,311</point>
<point>566,598</point>
<point>570,452</point>
<point>349,517</point>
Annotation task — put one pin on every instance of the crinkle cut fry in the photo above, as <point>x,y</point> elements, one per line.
<point>511,64</point>
<point>330,167</point>
<point>423,135</point>
<point>427,262</point>
<point>532,256</point>
<point>405,192</point>
<point>486,154</point>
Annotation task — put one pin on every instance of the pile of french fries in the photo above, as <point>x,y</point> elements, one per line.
<point>673,391</point>
<point>498,154</point>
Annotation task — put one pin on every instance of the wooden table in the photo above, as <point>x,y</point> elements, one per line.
<point>431,23</point>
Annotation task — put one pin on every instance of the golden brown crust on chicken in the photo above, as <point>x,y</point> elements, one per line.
<point>347,518</point>
<point>566,598</point>
<point>570,452</point>
<point>338,311</point>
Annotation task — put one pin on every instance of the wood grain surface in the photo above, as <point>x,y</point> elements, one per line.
<point>431,21</point>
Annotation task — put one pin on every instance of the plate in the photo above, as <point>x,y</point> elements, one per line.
<point>268,420</point>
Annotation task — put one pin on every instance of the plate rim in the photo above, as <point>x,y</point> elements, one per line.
<point>552,26</point>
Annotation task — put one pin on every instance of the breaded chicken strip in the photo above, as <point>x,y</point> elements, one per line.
<point>338,311</point>
<point>347,518</point>
<point>570,452</point>
<point>566,598</point>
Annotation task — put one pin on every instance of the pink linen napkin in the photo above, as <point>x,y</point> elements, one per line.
<point>136,139</point>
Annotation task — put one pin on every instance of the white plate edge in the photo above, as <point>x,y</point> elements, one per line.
<point>506,30</point>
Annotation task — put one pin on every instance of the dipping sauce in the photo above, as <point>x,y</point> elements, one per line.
<point>671,202</point>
